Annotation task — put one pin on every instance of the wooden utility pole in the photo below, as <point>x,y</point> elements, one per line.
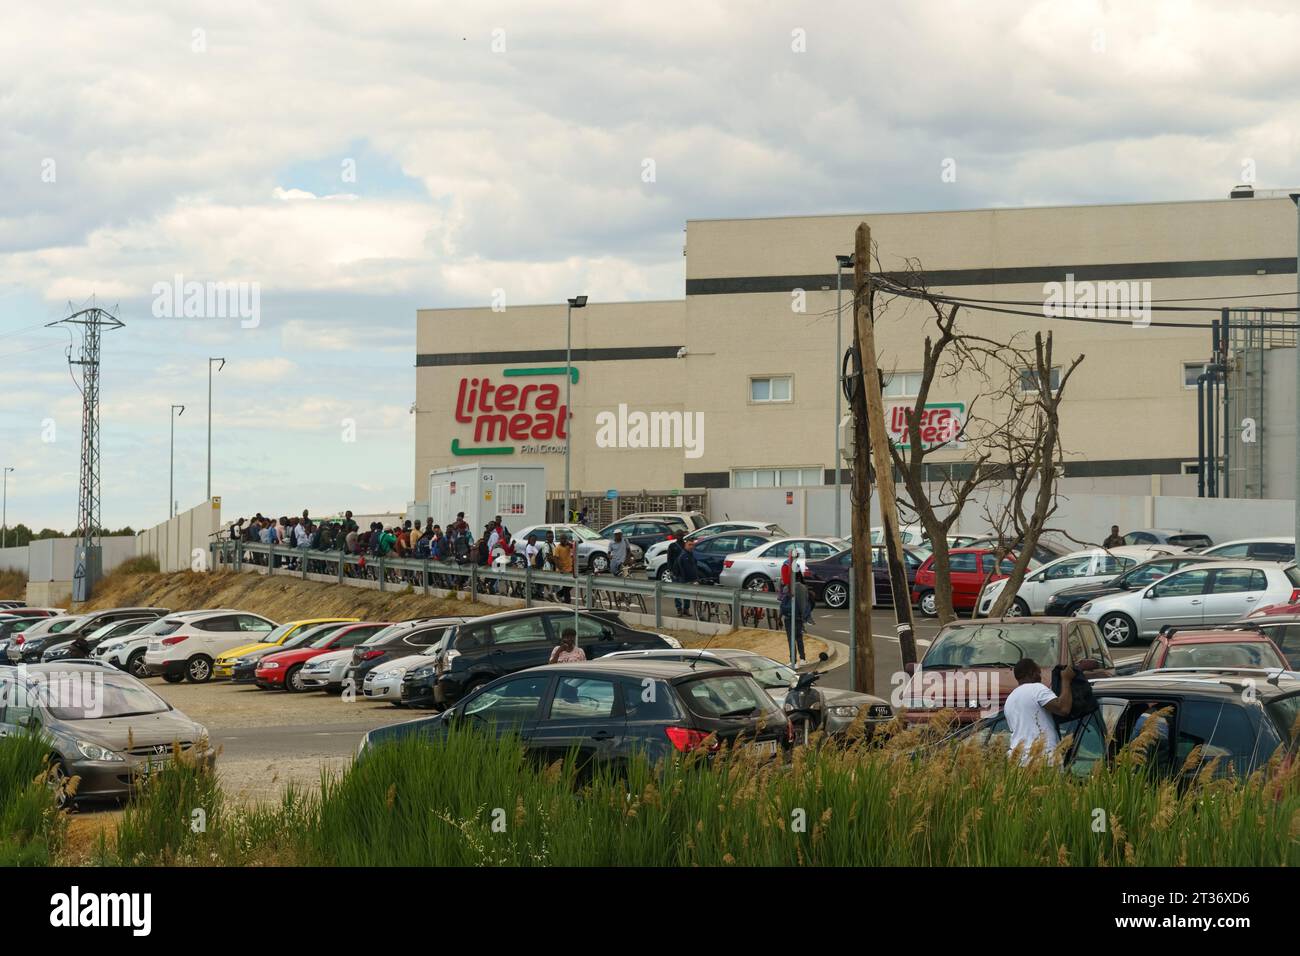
<point>874,403</point>
<point>864,649</point>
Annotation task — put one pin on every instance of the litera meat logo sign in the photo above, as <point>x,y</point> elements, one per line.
<point>509,412</point>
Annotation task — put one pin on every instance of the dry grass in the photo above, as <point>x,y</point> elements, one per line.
<point>13,585</point>
<point>279,598</point>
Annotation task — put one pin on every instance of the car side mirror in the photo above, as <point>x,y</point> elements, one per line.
<point>1149,595</point>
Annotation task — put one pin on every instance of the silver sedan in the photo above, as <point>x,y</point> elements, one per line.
<point>760,568</point>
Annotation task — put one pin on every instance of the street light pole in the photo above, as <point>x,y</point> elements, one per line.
<point>171,478</point>
<point>219,368</point>
<point>4,511</point>
<point>841,263</point>
<point>577,302</point>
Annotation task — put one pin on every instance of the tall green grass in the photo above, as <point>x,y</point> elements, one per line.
<point>479,801</point>
<point>31,828</point>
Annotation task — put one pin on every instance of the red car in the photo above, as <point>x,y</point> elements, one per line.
<point>969,568</point>
<point>280,670</point>
<point>1273,610</point>
<point>1175,649</point>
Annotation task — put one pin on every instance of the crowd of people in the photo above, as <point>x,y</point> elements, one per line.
<point>495,546</point>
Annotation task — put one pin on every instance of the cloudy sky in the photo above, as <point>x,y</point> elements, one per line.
<point>356,161</point>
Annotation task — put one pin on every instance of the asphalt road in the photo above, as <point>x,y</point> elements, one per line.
<point>834,626</point>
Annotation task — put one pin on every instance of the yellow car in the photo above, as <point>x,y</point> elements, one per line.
<point>224,666</point>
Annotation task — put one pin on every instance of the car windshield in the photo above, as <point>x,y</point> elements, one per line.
<point>1223,654</point>
<point>274,637</point>
<point>728,695</point>
<point>380,637</point>
<point>96,694</point>
<point>582,532</point>
<point>990,645</point>
<point>767,672</point>
<point>309,635</point>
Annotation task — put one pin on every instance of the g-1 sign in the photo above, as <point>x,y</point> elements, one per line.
<point>940,423</point>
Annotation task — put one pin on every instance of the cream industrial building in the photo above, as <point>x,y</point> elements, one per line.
<point>734,385</point>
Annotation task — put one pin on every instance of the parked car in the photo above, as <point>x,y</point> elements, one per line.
<point>601,710</point>
<point>11,603</point>
<point>1068,600</point>
<point>1255,549</point>
<point>692,520</point>
<point>910,534</point>
<point>246,665</point>
<point>393,642</point>
<point>187,652</point>
<point>1282,630</point>
<point>223,667</point>
<point>711,552</point>
<point>25,611</point>
<point>645,532</point>
<point>657,554</point>
<point>26,646</point>
<point>384,683</point>
<point>969,569</point>
<point>759,569</point>
<point>1198,648</point>
<point>485,648</point>
<point>325,671</point>
<point>977,659</point>
<point>836,709</point>
<point>283,668</point>
<point>1045,551</point>
<point>11,627</point>
<point>1237,720</point>
<point>828,579</point>
<point>126,652</point>
<point>1090,566</point>
<point>593,550</point>
<point>63,649</point>
<point>1215,593</point>
<point>110,739</point>
<point>37,643</point>
<point>1174,536</point>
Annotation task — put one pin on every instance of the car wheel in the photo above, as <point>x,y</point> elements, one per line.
<point>1020,608</point>
<point>1118,629</point>
<point>836,594</point>
<point>599,563</point>
<point>758,582</point>
<point>60,783</point>
<point>173,678</point>
<point>135,664</point>
<point>665,575</point>
<point>293,680</point>
<point>929,607</point>
<point>198,669</point>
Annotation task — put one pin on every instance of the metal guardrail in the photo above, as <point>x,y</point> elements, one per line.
<point>737,607</point>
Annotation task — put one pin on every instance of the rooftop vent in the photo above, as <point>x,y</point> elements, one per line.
<point>1242,192</point>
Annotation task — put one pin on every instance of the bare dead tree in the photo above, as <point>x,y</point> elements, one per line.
<point>995,419</point>
<point>1035,464</point>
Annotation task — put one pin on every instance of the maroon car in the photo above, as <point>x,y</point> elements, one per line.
<point>968,666</point>
<point>828,579</point>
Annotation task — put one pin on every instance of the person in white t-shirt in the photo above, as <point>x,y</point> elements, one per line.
<point>1031,709</point>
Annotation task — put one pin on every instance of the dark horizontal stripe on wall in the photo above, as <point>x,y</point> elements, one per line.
<point>1012,275</point>
<point>707,479</point>
<point>1128,466</point>
<point>445,359</point>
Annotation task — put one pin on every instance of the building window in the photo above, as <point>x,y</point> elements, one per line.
<point>511,498</point>
<point>1191,372</point>
<point>777,477</point>
<point>770,388</point>
<point>1029,379</point>
<point>902,385</point>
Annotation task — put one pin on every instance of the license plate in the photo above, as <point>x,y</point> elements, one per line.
<point>766,748</point>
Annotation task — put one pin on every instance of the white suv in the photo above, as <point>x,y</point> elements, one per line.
<point>188,651</point>
<point>1198,595</point>
<point>127,652</point>
<point>1089,566</point>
